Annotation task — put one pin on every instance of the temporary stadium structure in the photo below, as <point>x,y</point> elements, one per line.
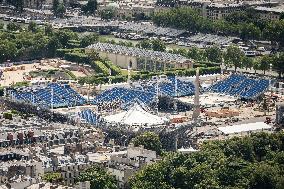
<point>52,95</point>
<point>146,93</point>
<point>241,86</point>
<point>136,116</point>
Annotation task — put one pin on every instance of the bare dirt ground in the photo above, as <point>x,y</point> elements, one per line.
<point>12,77</point>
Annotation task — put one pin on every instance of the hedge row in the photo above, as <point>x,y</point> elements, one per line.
<point>102,79</point>
<point>100,67</point>
<point>61,52</point>
<point>77,57</point>
<point>181,72</point>
<point>147,75</point>
<point>115,70</point>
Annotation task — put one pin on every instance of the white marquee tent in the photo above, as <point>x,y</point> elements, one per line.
<point>136,116</point>
<point>248,127</point>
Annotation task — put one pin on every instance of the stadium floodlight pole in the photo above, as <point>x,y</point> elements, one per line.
<point>157,95</point>
<point>176,95</point>
<point>270,82</point>
<point>51,98</point>
<point>129,74</point>
<point>222,66</point>
<point>88,93</point>
<point>109,79</point>
<point>33,98</point>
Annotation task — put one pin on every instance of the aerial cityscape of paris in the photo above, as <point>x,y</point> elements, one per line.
<point>142,94</point>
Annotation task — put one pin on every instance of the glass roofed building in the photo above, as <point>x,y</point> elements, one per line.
<point>140,59</point>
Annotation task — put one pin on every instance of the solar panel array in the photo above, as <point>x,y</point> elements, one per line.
<point>137,52</point>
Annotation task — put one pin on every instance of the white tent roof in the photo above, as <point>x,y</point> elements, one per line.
<point>244,128</point>
<point>64,66</point>
<point>136,116</point>
<point>187,150</point>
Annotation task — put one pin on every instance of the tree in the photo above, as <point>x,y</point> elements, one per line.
<point>1,25</point>
<point>60,10</point>
<point>52,46</point>
<point>145,44</point>
<point>265,63</point>
<point>55,4</point>
<point>32,27</point>
<point>108,13</point>
<point>214,54</point>
<point>263,177</point>
<point>195,53</point>
<point>93,55</point>
<point>158,45</point>
<point>278,63</point>
<point>247,62</point>
<point>274,31</point>
<point>19,4</point>
<point>250,31</point>
<point>48,29</point>
<point>90,7</point>
<point>150,141</point>
<point>140,16</point>
<point>98,177</point>
<point>64,36</point>
<point>89,39</point>
<point>8,50</point>
<point>255,65</point>
<point>230,164</point>
<point>11,26</point>
<point>234,56</point>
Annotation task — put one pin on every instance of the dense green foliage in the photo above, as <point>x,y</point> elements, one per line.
<point>149,140</point>
<point>21,84</point>
<point>255,162</point>
<point>90,7</point>
<point>33,42</point>
<point>100,67</point>
<point>155,45</point>
<point>245,24</point>
<point>8,115</point>
<point>89,39</point>
<point>58,8</point>
<point>99,178</point>
<point>115,70</point>
<point>52,177</point>
<point>19,4</point>
<point>108,13</point>
<point>234,56</point>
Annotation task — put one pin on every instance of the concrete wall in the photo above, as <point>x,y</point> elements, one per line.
<point>134,152</point>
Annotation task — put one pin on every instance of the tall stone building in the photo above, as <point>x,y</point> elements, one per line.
<point>39,4</point>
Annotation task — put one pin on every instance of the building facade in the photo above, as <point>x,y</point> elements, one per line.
<point>140,59</point>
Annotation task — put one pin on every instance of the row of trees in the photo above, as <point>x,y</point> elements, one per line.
<point>254,162</point>
<point>245,24</point>
<point>234,56</point>
<point>33,42</point>
<point>155,45</point>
